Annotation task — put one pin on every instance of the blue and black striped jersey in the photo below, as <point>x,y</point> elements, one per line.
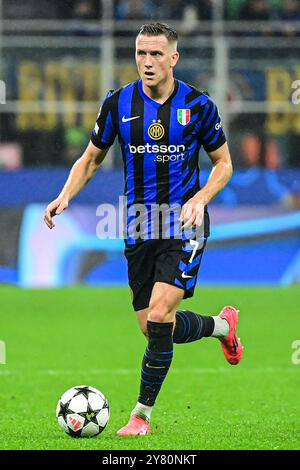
<point>160,143</point>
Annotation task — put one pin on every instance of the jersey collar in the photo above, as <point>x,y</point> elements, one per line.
<point>153,102</point>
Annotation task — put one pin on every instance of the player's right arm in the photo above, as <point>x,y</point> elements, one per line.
<point>81,173</point>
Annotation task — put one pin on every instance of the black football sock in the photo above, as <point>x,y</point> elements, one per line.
<point>156,361</point>
<point>192,326</point>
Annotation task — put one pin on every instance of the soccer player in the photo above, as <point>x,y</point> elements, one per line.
<point>161,124</point>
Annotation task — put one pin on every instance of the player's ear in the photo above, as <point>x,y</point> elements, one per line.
<point>174,58</point>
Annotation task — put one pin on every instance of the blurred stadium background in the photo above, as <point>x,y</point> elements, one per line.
<point>58,59</point>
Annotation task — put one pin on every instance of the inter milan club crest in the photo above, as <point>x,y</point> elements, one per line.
<point>156,131</point>
<point>183,116</point>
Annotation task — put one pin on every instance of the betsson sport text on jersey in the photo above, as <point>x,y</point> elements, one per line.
<point>170,152</point>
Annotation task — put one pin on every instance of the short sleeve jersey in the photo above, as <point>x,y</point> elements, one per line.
<point>160,143</point>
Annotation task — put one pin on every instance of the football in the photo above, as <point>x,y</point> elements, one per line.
<point>82,411</point>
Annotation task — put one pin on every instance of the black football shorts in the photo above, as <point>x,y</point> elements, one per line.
<point>172,261</point>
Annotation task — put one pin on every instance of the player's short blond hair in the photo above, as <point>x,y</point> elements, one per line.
<point>158,29</point>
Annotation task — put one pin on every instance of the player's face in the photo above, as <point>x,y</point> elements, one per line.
<point>155,58</point>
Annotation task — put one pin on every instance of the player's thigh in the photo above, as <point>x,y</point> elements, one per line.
<point>164,301</point>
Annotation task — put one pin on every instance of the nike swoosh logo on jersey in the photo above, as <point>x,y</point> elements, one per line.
<point>185,276</point>
<point>154,367</point>
<point>124,119</point>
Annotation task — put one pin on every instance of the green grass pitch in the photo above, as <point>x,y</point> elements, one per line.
<point>56,339</point>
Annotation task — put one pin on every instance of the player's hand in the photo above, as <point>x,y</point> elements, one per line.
<point>192,213</point>
<point>55,208</point>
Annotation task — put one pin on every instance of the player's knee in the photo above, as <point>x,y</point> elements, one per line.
<point>159,311</point>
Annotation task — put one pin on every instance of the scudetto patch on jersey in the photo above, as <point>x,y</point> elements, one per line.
<point>183,116</point>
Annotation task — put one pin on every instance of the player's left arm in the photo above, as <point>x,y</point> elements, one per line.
<point>193,210</point>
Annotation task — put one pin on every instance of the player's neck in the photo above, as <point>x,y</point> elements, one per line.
<point>161,92</point>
